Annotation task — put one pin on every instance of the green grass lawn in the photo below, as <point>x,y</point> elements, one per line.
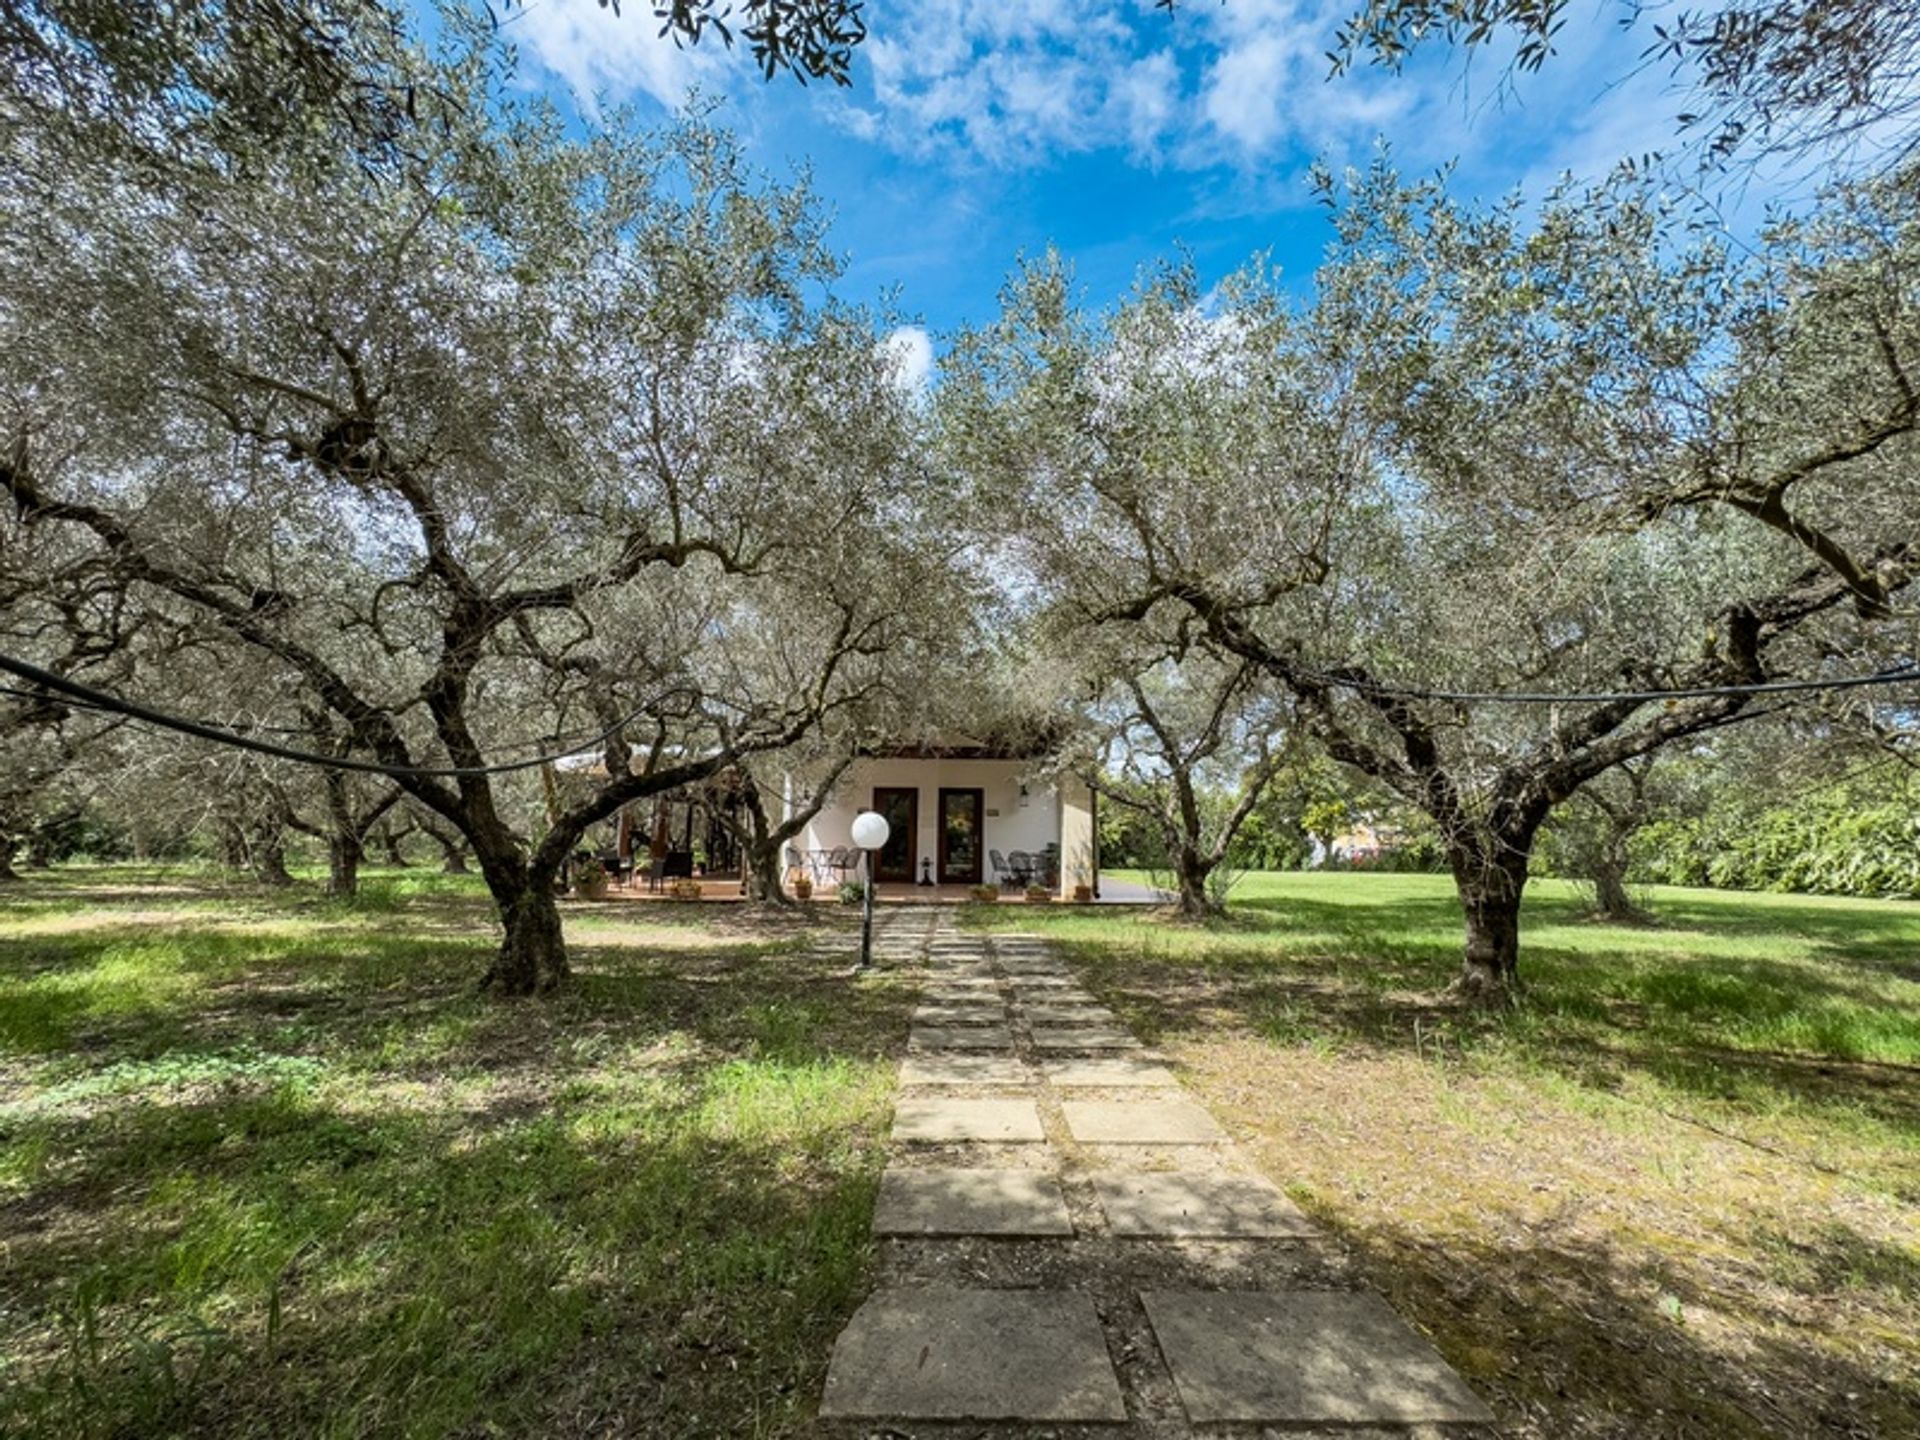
<point>269,1167</point>
<point>1675,1195</point>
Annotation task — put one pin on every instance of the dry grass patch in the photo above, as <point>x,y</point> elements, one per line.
<point>1677,1196</point>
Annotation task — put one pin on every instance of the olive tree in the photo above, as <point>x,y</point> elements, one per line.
<point>1615,458</point>
<point>1788,75</point>
<point>70,615</point>
<point>513,442</point>
<point>1596,459</point>
<point>1190,741</point>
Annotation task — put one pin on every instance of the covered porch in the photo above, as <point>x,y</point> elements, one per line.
<point>726,889</point>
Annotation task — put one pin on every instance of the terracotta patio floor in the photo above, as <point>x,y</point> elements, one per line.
<point>1112,892</point>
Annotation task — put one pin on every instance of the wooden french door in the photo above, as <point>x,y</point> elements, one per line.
<point>900,804</point>
<point>962,836</point>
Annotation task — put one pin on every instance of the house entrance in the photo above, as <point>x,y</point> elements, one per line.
<point>961,845</point>
<point>901,807</point>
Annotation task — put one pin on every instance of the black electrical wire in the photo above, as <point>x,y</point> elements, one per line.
<point>1904,675</point>
<point>100,700</point>
<point>572,744</point>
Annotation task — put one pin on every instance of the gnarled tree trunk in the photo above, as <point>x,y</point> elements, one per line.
<point>533,954</point>
<point>763,841</point>
<point>267,858</point>
<point>390,843</point>
<point>532,958</point>
<point>765,879</point>
<point>344,854</point>
<point>1490,873</point>
<point>1611,902</point>
<point>1191,870</point>
<point>453,848</point>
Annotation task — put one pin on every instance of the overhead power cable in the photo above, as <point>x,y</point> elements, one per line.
<point>100,700</point>
<point>570,745</point>
<point>113,704</point>
<point>1902,675</point>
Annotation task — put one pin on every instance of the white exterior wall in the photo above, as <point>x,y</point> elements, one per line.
<point>1077,842</point>
<point>1008,824</point>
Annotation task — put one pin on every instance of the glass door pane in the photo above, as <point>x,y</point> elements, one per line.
<point>901,807</point>
<point>960,840</point>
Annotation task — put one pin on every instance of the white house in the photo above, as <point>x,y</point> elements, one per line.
<point>960,814</point>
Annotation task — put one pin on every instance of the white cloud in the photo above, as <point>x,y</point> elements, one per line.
<point>1240,88</point>
<point>619,56</point>
<point>909,350</point>
<point>1015,82</point>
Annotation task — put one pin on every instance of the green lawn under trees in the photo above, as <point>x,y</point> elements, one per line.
<point>1675,1194</point>
<point>272,1167</point>
<point>269,1166</point>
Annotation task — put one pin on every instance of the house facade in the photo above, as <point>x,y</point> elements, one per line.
<point>958,815</point>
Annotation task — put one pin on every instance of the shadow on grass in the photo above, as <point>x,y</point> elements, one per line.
<point>270,1166</point>
<point>274,1265</point>
<point>1770,1002</point>
<point>1575,1336</point>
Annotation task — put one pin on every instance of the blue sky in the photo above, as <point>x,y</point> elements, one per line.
<point>979,129</point>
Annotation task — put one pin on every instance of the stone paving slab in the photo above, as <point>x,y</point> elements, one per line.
<point>1145,1121</point>
<point>963,1070</point>
<point>1066,1016</point>
<point>1110,1070</point>
<point>960,1037</point>
<point>1173,1205</point>
<point>1303,1357</point>
<point>1082,1037</point>
<point>953,1119</point>
<point>967,1012</point>
<point>944,1354</point>
<point>970,1202</point>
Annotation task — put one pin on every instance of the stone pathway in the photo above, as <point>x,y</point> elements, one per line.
<point>1071,1245</point>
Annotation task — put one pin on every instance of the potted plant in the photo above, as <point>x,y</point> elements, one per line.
<point>1083,894</point>
<point>1038,894</point>
<point>987,894</point>
<point>803,887</point>
<point>686,889</point>
<point>852,892</point>
<point>590,880</point>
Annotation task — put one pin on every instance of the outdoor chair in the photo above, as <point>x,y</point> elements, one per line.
<point>997,862</point>
<point>1020,867</point>
<point>841,862</point>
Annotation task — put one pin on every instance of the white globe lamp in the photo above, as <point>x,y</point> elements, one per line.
<point>870,831</point>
